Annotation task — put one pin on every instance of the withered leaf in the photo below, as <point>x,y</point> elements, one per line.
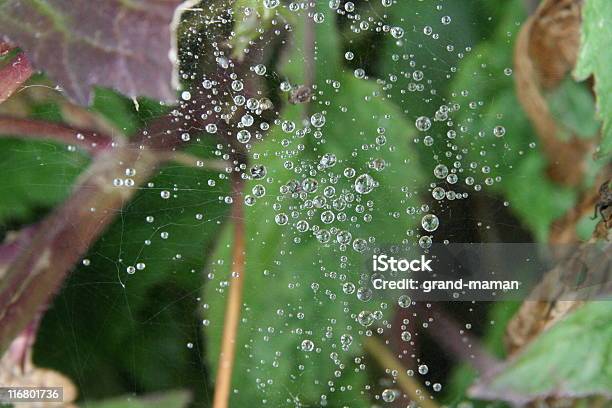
<point>122,44</point>
<point>545,52</point>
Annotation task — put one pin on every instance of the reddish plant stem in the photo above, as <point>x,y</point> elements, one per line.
<point>62,238</point>
<point>33,129</point>
<point>38,271</point>
<point>13,244</point>
<point>13,75</point>
<point>234,303</point>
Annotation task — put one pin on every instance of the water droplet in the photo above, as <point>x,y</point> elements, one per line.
<point>425,242</point>
<point>499,131</point>
<point>281,219</point>
<point>440,171</point>
<point>317,120</point>
<point>397,32</point>
<point>388,395</point>
<point>258,171</point>
<point>423,123</point>
<point>404,301</point>
<point>307,345</point>
<point>243,136</point>
<point>365,318</point>
<point>260,69</point>
<point>364,184</point>
<point>328,160</point>
<point>430,222</point>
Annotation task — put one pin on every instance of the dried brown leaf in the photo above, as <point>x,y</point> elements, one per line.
<point>546,51</point>
<point>534,317</point>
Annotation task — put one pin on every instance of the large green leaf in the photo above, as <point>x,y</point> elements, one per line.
<point>293,289</point>
<point>571,359</point>
<point>595,58</point>
<point>293,282</point>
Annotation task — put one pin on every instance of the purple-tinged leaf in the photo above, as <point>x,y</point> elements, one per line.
<point>122,44</point>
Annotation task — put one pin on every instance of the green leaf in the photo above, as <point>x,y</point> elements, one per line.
<point>35,176</point>
<point>251,18</point>
<point>168,399</point>
<point>595,58</point>
<point>573,106</point>
<point>427,55</point>
<point>126,114</point>
<point>293,283</point>
<point>120,44</point>
<point>516,158</point>
<point>571,359</point>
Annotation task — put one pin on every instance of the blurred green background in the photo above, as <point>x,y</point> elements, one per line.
<point>116,334</point>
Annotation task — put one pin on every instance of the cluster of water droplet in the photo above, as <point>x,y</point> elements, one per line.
<point>325,195</point>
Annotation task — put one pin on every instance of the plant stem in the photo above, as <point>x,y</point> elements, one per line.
<point>386,360</point>
<point>234,303</point>
<point>35,275</point>
<point>33,129</point>
<point>190,160</point>
<point>39,270</point>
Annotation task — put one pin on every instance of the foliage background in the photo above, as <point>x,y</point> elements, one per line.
<point>115,334</point>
